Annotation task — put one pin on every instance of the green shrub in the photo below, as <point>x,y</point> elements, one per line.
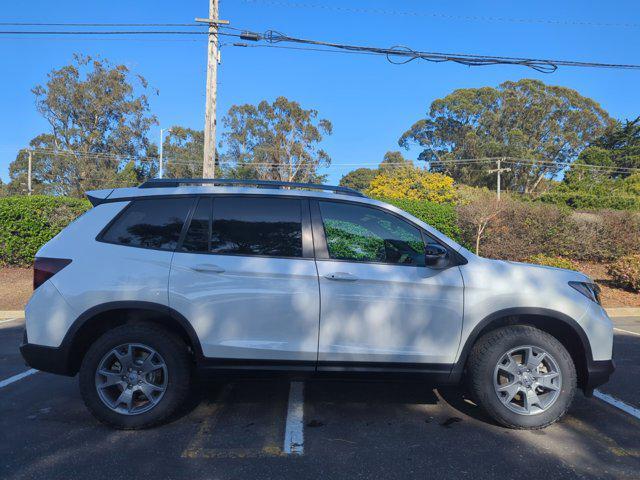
<point>584,200</point>
<point>550,261</point>
<point>626,272</point>
<point>441,216</point>
<point>28,222</point>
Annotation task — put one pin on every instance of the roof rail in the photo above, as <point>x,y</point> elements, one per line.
<point>176,182</point>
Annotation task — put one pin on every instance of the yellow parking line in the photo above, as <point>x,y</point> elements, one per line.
<point>196,448</point>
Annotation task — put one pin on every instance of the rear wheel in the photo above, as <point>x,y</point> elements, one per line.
<point>522,377</point>
<point>135,376</point>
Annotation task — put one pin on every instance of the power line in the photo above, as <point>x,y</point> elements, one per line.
<point>24,24</point>
<point>481,18</point>
<point>398,54</point>
<point>401,54</point>
<point>105,32</point>
<point>464,161</point>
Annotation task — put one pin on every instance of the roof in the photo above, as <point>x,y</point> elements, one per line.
<point>191,186</point>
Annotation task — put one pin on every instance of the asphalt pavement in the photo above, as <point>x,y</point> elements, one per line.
<point>237,429</point>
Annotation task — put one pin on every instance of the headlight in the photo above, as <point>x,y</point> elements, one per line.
<point>589,290</point>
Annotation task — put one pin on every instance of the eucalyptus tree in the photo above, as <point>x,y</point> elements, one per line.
<point>545,126</point>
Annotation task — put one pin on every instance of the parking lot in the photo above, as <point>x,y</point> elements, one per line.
<point>334,429</point>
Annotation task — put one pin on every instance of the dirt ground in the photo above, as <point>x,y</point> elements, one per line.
<point>611,295</point>
<point>16,287</point>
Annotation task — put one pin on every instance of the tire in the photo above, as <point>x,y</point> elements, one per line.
<point>167,381</point>
<point>491,384</point>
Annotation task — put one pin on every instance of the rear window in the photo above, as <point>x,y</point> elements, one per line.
<point>150,223</point>
<point>247,226</point>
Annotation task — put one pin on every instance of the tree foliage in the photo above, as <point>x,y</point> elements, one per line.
<point>99,112</point>
<point>622,141</point>
<point>413,183</point>
<point>360,178</point>
<point>596,181</point>
<point>183,153</point>
<point>527,119</point>
<point>274,141</point>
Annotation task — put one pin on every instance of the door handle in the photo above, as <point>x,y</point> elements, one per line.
<point>341,276</point>
<point>207,268</point>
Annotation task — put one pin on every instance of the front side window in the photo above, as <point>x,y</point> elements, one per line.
<point>150,223</point>
<point>257,226</point>
<point>364,234</point>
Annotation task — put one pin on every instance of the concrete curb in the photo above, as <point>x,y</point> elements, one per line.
<point>612,312</point>
<point>623,312</point>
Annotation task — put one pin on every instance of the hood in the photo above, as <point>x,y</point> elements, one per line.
<point>564,272</point>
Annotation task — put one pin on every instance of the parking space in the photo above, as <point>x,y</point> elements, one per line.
<point>239,429</point>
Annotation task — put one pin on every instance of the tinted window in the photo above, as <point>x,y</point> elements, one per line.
<point>150,223</point>
<point>257,226</point>
<point>367,234</point>
<point>197,237</point>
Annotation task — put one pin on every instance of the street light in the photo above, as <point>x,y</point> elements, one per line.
<point>162,130</point>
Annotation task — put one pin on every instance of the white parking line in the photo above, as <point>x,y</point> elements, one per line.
<point>15,378</point>
<point>294,431</point>
<point>617,403</point>
<point>9,320</point>
<point>626,331</point>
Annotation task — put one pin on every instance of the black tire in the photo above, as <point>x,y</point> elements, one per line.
<point>482,362</point>
<point>167,345</point>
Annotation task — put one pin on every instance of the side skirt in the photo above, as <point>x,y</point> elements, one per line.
<point>433,373</point>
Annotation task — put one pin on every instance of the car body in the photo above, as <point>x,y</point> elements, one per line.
<point>318,304</point>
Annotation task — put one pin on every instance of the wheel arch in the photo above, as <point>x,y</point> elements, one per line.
<point>97,320</point>
<point>564,328</point>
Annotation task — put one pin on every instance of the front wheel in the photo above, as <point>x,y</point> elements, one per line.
<point>135,376</point>
<point>522,377</point>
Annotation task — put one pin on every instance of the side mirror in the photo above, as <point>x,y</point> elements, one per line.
<point>436,256</point>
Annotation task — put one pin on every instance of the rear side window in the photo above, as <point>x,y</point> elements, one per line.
<point>150,223</point>
<point>256,226</point>
<point>199,233</point>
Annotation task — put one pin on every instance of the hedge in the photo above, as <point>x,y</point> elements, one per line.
<point>441,216</point>
<point>28,222</point>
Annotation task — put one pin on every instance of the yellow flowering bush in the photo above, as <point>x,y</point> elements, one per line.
<point>413,183</point>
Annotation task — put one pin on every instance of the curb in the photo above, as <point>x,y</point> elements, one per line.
<point>623,312</point>
<point>612,312</point>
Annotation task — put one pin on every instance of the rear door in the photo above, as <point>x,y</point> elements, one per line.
<point>245,277</point>
<point>380,303</point>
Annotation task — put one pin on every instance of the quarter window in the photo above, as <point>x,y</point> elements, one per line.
<point>150,223</point>
<point>364,234</point>
<point>257,226</point>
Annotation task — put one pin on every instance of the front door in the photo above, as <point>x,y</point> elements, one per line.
<point>379,302</point>
<point>245,278</point>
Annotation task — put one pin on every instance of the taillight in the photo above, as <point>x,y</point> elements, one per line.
<point>44,268</point>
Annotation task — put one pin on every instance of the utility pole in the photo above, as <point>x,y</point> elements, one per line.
<point>213,58</point>
<point>499,170</point>
<point>160,164</point>
<point>29,172</point>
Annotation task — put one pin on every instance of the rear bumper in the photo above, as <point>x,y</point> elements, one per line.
<point>598,373</point>
<point>47,359</point>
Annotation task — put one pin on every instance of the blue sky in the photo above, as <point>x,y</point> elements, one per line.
<point>370,102</point>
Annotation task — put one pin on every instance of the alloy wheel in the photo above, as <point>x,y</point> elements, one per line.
<point>131,379</point>
<point>527,380</point>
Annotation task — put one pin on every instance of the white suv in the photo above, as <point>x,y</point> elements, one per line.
<point>227,275</point>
